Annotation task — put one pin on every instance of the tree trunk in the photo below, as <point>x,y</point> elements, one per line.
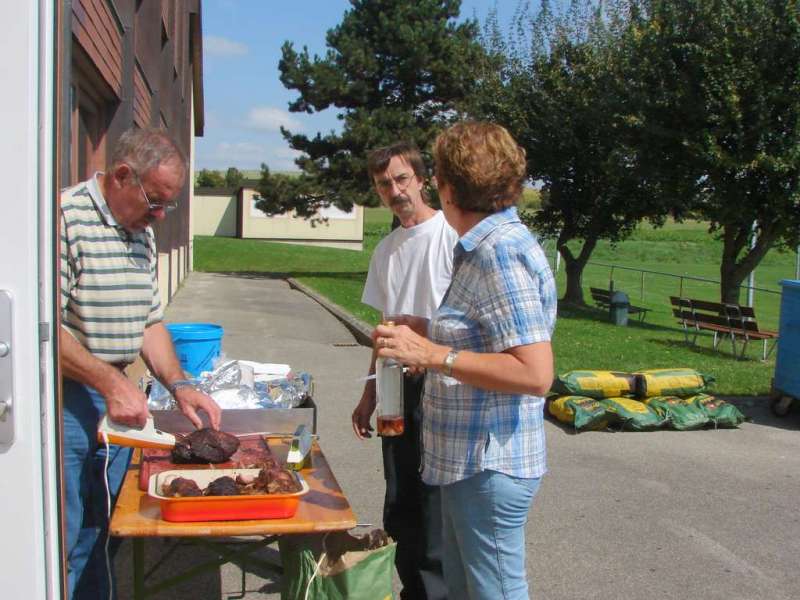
<point>733,271</point>
<point>574,292</point>
<point>574,265</point>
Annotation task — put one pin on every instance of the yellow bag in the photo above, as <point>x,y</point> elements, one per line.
<point>671,382</point>
<point>580,412</point>
<point>595,384</point>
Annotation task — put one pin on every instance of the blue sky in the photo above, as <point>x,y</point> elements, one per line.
<point>245,102</point>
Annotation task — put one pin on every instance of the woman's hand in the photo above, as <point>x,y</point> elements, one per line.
<point>418,325</point>
<point>407,347</point>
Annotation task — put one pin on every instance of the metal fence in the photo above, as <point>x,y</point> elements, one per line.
<point>653,288</point>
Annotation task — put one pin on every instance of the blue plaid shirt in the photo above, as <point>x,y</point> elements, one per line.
<point>502,295</point>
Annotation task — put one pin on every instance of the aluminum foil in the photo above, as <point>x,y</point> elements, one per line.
<point>232,385</point>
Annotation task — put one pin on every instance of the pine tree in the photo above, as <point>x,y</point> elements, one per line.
<point>394,69</point>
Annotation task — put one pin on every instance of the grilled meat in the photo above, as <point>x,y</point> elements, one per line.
<point>205,446</point>
<point>180,487</point>
<point>222,486</point>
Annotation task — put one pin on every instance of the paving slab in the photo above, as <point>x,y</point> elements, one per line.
<point>673,515</point>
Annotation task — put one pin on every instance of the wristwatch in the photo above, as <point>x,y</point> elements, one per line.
<point>175,385</point>
<point>449,361</point>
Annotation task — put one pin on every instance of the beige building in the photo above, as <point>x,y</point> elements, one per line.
<point>218,212</point>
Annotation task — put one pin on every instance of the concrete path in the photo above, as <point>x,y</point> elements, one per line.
<point>670,515</point>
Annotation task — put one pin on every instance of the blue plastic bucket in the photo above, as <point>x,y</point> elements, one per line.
<point>196,344</point>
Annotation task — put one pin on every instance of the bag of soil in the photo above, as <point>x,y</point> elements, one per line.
<point>632,414</point>
<point>580,412</point>
<point>720,413</point>
<point>337,566</point>
<point>679,414</point>
<point>595,384</point>
<point>670,382</point>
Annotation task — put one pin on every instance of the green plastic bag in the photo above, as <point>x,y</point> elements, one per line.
<point>595,384</point>
<point>680,414</point>
<point>580,412</point>
<point>671,382</point>
<point>719,412</point>
<point>632,414</point>
<point>350,573</point>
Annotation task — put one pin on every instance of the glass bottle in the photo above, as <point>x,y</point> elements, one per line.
<point>389,391</point>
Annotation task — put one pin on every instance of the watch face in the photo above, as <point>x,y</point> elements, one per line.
<point>449,360</point>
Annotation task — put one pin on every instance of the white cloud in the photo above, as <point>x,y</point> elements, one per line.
<point>282,158</point>
<point>285,152</point>
<point>269,118</point>
<point>214,45</point>
<point>245,155</point>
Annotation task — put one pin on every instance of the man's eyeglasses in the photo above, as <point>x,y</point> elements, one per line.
<point>154,206</point>
<point>402,182</point>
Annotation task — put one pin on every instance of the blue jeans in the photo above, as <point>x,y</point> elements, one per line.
<point>484,520</point>
<point>85,502</point>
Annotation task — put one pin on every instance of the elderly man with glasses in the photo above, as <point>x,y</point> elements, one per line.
<point>111,314</point>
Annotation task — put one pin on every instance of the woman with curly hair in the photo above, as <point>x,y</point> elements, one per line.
<point>489,362</point>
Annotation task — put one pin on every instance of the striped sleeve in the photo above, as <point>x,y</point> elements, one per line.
<point>156,314</point>
<point>67,269</point>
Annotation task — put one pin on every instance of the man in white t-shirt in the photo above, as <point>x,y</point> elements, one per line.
<point>409,274</point>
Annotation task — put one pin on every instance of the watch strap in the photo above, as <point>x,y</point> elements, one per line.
<point>175,385</point>
<point>449,361</point>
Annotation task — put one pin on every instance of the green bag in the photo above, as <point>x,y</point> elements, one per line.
<point>352,574</point>
<point>680,414</point>
<point>719,412</point>
<point>671,382</point>
<point>634,415</point>
<point>580,412</point>
<point>595,384</point>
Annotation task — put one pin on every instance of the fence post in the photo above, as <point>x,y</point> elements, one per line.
<point>641,289</point>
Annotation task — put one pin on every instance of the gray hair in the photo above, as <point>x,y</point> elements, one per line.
<point>145,149</point>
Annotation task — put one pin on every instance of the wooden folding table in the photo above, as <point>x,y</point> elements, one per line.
<point>138,516</point>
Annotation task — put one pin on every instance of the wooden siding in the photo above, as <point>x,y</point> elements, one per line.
<point>98,31</point>
<point>132,58</point>
<point>147,39</point>
<point>142,98</point>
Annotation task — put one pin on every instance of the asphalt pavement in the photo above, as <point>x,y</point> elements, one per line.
<point>671,515</point>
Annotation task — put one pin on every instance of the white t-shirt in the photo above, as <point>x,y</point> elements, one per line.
<point>411,268</point>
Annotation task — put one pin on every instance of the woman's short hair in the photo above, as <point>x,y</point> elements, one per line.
<point>482,164</point>
<point>145,149</point>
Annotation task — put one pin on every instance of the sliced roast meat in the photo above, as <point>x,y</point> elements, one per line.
<point>205,446</point>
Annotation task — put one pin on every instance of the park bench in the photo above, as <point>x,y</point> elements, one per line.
<point>729,320</point>
<point>602,298</point>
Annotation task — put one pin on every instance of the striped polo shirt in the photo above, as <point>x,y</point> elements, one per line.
<point>109,287</point>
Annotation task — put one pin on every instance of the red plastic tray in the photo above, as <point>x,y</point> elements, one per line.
<point>223,508</point>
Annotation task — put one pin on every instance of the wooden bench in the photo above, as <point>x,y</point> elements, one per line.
<point>602,298</point>
<point>730,320</point>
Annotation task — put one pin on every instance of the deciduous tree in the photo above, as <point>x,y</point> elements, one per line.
<point>233,177</point>
<point>717,90</point>
<point>210,178</point>
<point>561,93</point>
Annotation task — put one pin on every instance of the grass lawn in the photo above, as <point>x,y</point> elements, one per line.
<point>583,339</point>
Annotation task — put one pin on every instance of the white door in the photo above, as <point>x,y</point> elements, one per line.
<point>29,552</point>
